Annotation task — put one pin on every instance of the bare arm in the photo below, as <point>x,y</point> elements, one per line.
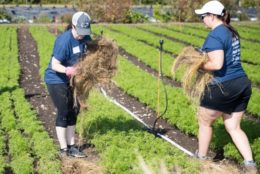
<point>57,66</point>
<point>215,62</point>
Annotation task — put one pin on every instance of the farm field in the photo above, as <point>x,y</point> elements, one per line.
<point>113,140</point>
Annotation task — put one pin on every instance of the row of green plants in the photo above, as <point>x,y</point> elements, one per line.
<point>248,31</point>
<point>17,144</point>
<point>27,146</point>
<point>140,35</point>
<point>145,53</point>
<point>252,27</point>
<point>3,80</point>
<point>117,137</point>
<point>8,84</point>
<point>255,26</point>
<point>249,51</point>
<point>249,48</point>
<point>120,140</point>
<point>149,55</point>
<point>245,32</point>
<point>2,148</point>
<point>171,46</point>
<point>180,36</point>
<point>42,146</point>
<point>46,46</point>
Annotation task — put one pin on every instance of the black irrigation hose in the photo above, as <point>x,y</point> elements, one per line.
<point>164,88</point>
<point>153,130</point>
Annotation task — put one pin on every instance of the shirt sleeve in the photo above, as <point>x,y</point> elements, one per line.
<point>212,43</point>
<point>60,50</point>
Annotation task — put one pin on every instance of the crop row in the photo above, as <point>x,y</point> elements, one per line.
<point>248,53</point>
<point>145,53</point>
<point>173,46</point>
<point>140,35</point>
<point>249,49</point>
<point>27,147</point>
<point>120,140</point>
<point>246,33</point>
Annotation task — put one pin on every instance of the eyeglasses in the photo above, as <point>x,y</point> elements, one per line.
<point>203,16</point>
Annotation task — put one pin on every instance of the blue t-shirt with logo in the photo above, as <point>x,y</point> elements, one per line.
<point>68,51</point>
<point>221,39</point>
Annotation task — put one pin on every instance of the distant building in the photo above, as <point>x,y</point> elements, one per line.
<point>251,12</point>
<point>145,10</point>
<point>33,12</point>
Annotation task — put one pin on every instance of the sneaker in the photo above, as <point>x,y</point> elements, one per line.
<point>63,152</point>
<point>75,152</point>
<point>250,167</point>
<point>203,158</point>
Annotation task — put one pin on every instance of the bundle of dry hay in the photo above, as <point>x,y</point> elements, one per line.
<point>98,66</point>
<point>194,80</point>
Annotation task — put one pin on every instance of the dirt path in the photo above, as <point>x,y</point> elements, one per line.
<point>36,94</point>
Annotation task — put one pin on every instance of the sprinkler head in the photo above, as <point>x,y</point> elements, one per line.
<point>156,131</point>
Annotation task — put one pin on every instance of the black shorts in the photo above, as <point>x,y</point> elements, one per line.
<point>229,96</point>
<point>61,95</point>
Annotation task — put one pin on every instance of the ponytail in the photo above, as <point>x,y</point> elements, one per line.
<point>69,26</point>
<point>225,17</point>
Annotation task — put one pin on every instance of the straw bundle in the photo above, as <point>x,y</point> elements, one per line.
<point>98,66</point>
<point>194,80</point>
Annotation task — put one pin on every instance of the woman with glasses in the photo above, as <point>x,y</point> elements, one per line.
<point>229,92</point>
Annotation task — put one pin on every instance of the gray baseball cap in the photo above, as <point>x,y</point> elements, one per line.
<point>81,21</point>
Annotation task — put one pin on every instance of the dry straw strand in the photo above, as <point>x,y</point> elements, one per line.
<point>194,79</point>
<point>98,66</point>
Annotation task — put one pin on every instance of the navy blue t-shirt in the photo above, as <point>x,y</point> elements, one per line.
<point>221,39</point>
<point>67,50</point>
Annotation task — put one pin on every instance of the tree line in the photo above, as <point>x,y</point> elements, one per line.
<point>242,3</point>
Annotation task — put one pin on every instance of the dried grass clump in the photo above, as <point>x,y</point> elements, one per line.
<point>194,79</point>
<point>98,66</point>
<point>162,169</point>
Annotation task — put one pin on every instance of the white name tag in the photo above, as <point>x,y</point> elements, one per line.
<point>76,50</point>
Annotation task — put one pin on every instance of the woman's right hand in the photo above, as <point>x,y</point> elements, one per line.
<point>70,71</point>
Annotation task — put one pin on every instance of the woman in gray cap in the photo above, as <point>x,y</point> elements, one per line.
<point>68,49</point>
<point>229,92</point>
